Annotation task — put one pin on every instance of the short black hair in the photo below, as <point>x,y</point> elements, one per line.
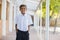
<point>22,6</point>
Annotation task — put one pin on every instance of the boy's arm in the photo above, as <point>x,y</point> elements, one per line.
<point>16,27</point>
<point>29,22</point>
<point>28,28</point>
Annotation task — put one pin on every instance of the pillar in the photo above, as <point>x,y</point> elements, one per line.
<point>10,16</point>
<point>15,13</point>
<point>41,22</point>
<point>47,20</point>
<point>36,23</point>
<point>3,18</point>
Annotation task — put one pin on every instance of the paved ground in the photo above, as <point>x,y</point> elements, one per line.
<point>12,36</point>
<point>0,30</point>
<point>33,35</point>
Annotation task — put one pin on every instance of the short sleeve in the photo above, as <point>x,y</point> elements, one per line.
<point>30,20</point>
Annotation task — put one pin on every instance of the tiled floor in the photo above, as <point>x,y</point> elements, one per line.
<point>0,30</point>
<point>12,36</point>
<point>33,35</point>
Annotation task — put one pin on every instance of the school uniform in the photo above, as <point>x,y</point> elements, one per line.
<point>22,22</point>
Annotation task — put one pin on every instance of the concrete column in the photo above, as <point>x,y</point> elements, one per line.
<point>41,22</point>
<point>4,17</point>
<point>15,13</point>
<point>10,16</point>
<point>36,23</point>
<point>47,20</point>
<point>36,20</point>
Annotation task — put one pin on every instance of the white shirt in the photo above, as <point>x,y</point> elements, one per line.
<point>23,21</point>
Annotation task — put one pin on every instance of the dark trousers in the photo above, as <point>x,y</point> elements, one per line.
<point>22,35</point>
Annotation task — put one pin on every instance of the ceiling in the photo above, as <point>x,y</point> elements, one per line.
<point>32,5</point>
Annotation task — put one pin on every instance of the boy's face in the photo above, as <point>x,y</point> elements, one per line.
<point>23,10</point>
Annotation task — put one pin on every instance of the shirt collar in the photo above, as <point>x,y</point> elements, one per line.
<point>22,14</point>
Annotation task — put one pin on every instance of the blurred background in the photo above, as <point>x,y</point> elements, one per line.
<point>37,9</point>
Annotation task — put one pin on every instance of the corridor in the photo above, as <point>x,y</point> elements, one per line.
<point>33,35</point>
<point>45,16</point>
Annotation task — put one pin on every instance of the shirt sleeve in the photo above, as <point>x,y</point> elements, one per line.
<point>30,20</point>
